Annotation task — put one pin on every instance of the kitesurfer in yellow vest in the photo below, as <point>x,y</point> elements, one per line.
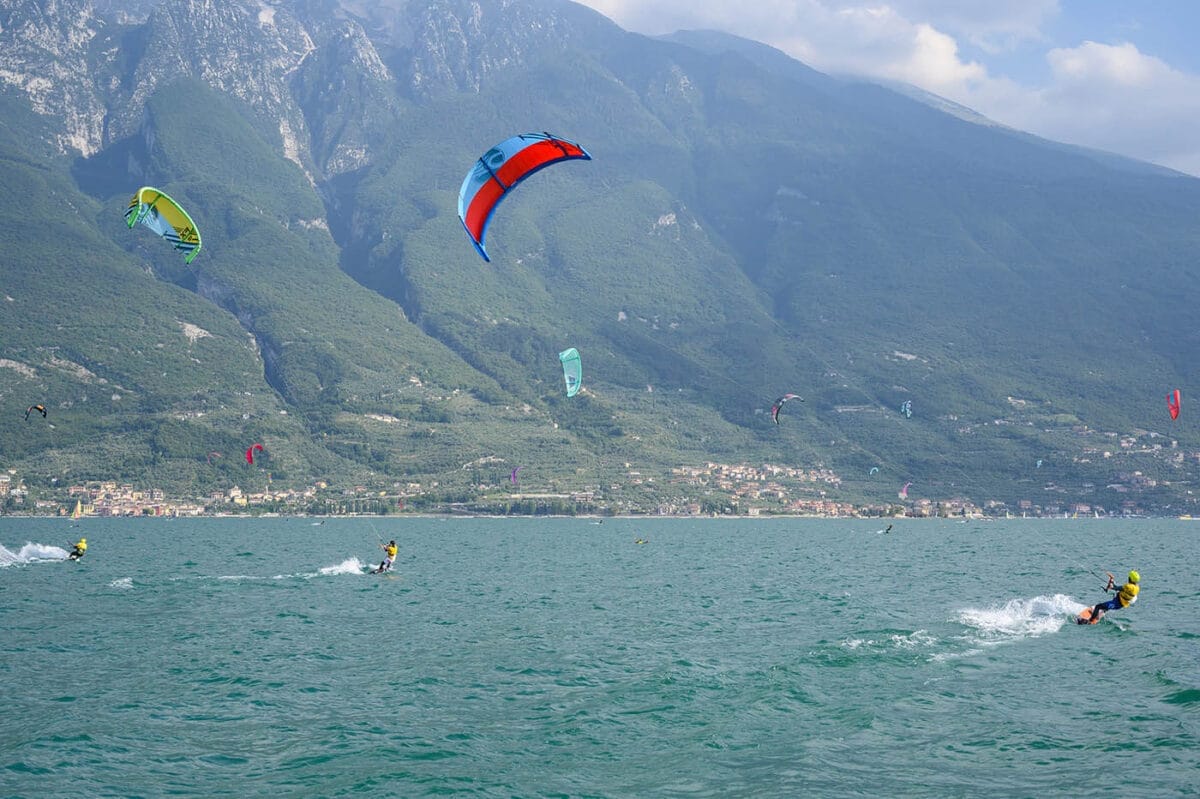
<point>390,550</point>
<point>79,550</point>
<point>1126,595</point>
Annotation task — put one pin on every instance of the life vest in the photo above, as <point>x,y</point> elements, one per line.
<point>81,547</point>
<point>1127,595</point>
<point>391,549</point>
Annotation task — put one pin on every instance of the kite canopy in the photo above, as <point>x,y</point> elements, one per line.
<point>779,405</point>
<point>1173,404</point>
<point>906,409</point>
<point>39,408</point>
<point>903,493</point>
<point>572,370</point>
<point>513,475</point>
<point>163,215</point>
<point>250,453</point>
<point>500,169</point>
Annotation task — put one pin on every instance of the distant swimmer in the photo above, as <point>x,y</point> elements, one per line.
<point>389,558</point>
<point>79,550</point>
<point>1126,596</point>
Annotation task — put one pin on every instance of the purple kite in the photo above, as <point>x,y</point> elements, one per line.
<point>779,404</point>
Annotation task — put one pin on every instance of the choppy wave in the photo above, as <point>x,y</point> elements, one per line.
<point>31,553</point>
<point>892,639</point>
<point>122,583</point>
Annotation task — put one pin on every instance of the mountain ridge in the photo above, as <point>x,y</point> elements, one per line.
<point>748,227</point>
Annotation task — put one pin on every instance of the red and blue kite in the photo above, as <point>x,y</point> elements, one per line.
<point>500,169</point>
<point>1173,406</point>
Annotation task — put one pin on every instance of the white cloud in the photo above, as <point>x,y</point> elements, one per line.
<point>1120,65</point>
<point>878,42</point>
<point>988,24</point>
<point>832,35</point>
<point>979,21</point>
<point>1117,98</point>
<point>1112,97</point>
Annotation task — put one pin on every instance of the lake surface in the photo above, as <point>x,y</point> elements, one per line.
<point>556,657</point>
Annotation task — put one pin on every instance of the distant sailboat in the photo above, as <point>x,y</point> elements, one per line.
<point>78,512</point>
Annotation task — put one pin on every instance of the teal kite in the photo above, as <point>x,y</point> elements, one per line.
<point>572,370</point>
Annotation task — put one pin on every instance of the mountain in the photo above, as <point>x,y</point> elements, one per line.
<point>747,227</point>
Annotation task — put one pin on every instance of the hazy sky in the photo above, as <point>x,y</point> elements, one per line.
<point>1118,75</point>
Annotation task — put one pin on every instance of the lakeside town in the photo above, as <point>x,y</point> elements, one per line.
<point>711,489</point>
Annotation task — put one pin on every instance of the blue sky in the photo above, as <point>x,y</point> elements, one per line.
<point>1112,74</point>
<point>1165,28</point>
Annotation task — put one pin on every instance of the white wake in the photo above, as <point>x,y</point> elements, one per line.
<point>31,553</point>
<point>1020,618</point>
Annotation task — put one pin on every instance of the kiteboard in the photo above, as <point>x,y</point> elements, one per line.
<point>1085,617</point>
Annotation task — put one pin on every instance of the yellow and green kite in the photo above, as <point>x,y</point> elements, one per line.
<point>163,215</point>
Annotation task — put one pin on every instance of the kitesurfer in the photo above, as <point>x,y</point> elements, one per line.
<point>390,550</point>
<point>1126,595</point>
<point>78,550</point>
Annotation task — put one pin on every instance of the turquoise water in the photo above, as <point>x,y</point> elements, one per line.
<point>556,657</point>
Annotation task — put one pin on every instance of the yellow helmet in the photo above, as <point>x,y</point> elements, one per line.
<point>1134,577</point>
<point>83,540</point>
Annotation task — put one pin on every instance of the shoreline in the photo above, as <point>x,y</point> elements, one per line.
<point>599,517</point>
